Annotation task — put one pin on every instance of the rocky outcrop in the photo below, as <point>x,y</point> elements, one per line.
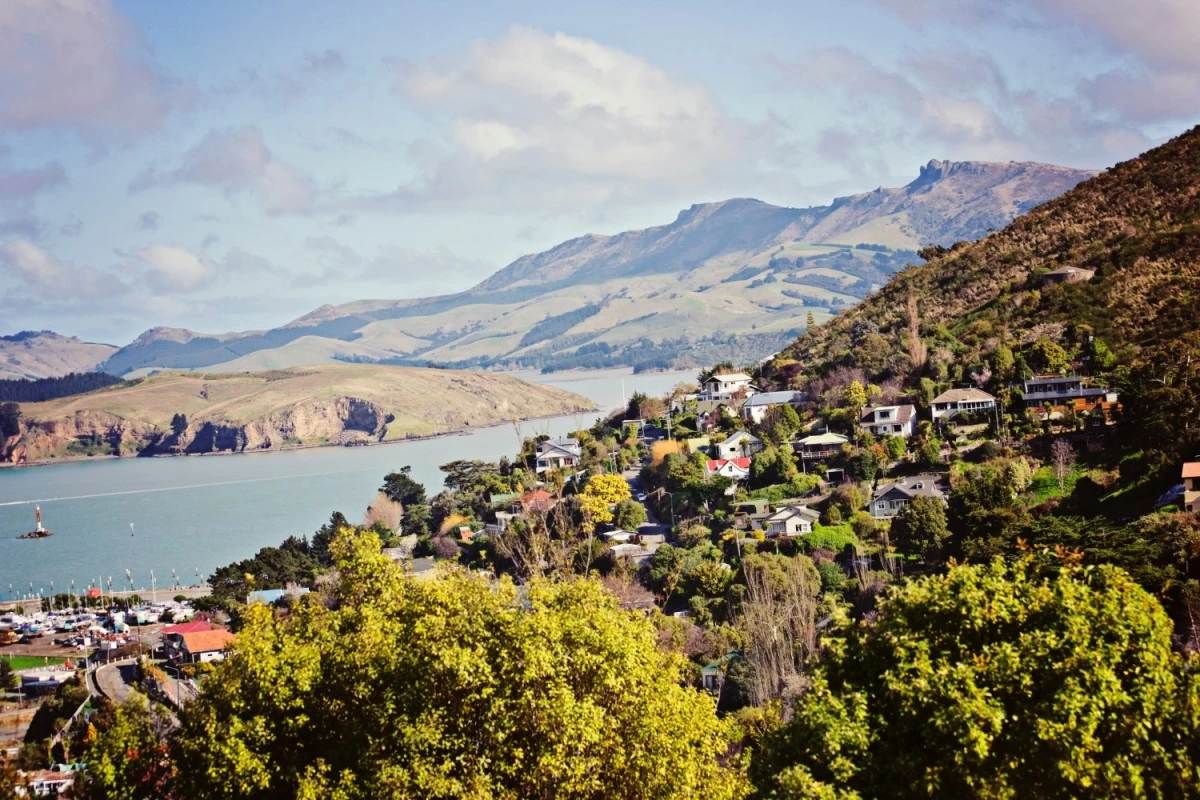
<point>338,421</point>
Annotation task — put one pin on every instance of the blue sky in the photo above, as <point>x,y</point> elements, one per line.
<point>233,165</point>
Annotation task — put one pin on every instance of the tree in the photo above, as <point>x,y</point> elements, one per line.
<point>629,515</point>
<point>778,620</point>
<point>920,528</point>
<point>551,691</point>
<point>1063,457</point>
<point>129,759</point>
<point>10,420</point>
<point>855,396</point>
<point>1013,684</point>
<point>401,487</point>
<point>1046,356</point>
<point>895,447</point>
<point>809,321</point>
<point>598,497</point>
<point>914,343</point>
<point>179,424</point>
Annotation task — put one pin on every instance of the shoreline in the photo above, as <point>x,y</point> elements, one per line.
<point>462,431</point>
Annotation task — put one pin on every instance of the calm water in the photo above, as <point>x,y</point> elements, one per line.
<point>194,514</point>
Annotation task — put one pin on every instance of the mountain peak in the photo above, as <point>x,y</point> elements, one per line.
<point>164,334</point>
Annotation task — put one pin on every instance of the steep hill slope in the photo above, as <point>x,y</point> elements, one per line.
<point>735,279</point>
<point>330,404</point>
<point>1136,228</point>
<point>45,354</point>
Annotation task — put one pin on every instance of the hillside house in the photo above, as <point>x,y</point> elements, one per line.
<point>558,454</point>
<point>791,521</point>
<point>820,445</point>
<point>1067,275</point>
<point>889,420</point>
<point>738,445</point>
<point>1191,486</point>
<point>1064,393</point>
<point>890,498</point>
<point>203,646</point>
<point>736,468</point>
<point>757,405</point>
<point>725,386</point>
<point>48,782</point>
<point>951,404</point>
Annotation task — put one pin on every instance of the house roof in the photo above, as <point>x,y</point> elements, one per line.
<point>824,438</point>
<point>1191,469</point>
<point>726,377</point>
<point>775,398</point>
<point>794,511</point>
<point>207,641</point>
<point>571,450</point>
<point>1043,379</point>
<point>1070,271</point>
<point>195,626</point>
<point>903,414</point>
<point>962,396</point>
<point>715,464</point>
<point>739,435</point>
<point>927,485</point>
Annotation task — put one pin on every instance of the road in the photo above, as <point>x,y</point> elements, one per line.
<point>652,525</point>
<point>115,681</point>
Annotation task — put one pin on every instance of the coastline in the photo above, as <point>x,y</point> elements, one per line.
<point>460,431</point>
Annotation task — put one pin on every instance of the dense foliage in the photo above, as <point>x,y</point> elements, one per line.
<point>992,681</point>
<point>42,389</point>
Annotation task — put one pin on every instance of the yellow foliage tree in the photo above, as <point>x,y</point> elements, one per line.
<point>598,497</point>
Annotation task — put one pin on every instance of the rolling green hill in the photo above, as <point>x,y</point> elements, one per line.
<point>736,279</point>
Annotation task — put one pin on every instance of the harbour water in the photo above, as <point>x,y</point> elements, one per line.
<point>193,514</point>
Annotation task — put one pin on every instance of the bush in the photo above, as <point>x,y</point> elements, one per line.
<point>829,537</point>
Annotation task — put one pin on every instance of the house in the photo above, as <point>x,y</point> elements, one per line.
<point>48,782</point>
<point>736,468</point>
<point>738,445</point>
<point>637,553</point>
<point>889,420</point>
<point>1191,486</point>
<point>1068,275</point>
<point>791,521</point>
<point>538,501</point>
<point>757,405</point>
<point>948,405</point>
<point>821,445</point>
<point>726,385</point>
<point>204,646</point>
<point>712,675</point>
<point>558,454</point>
<point>1063,393</point>
<point>697,444</point>
<point>890,498</point>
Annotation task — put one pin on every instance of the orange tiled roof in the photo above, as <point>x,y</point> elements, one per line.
<point>207,641</point>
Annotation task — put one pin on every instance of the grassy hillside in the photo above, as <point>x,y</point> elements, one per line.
<point>45,354</point>
<point>736,279</point>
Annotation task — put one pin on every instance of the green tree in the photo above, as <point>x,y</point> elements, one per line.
<point>855,396</point>
<point>1046,356</point>
<point>459,686</point>
<point>895,447</point>
<point>920,528</point>
<point>179,424</point>
<point>629,515</point>
<point>129,760</point>
<point>1013,685</point>
<point>402,488</point>
<point>810,322</point>
<point>10,420</point>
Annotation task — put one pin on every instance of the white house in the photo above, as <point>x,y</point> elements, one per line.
<point>725,386</point>
<point>791,521</point>
<point>736,468</point>
<point>1191,486</point>
<point>738,445</point>
<point>204,646</point>
<point>558,454</point>
<point>890,498</point>
<point>820,445</point>
<point>958,401</point>
<point>889,420</point>
<point>758,404</point>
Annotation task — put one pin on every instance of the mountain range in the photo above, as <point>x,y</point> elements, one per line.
<point>732,280</point>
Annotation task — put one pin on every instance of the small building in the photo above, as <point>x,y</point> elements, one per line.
<point>820,445</point>
<point>558,454</point>
<point>736,468</point>
<point>637,553</point>
<point>791,521</point>
<point>1068,275</point>
<point>49,782</point>
<point>204,646</point>
<point>951,404</point>
<point>738,445</point>
<point>1191,486</point>
<point>726,385</point>
<point>891,498</point>
<point>538,501</point>
<point>757,405</point>
<point>1064,392</point>
<point>889,420</point>
<point>698,444</point>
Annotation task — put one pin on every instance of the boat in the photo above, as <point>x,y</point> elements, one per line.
<point>39,532</point>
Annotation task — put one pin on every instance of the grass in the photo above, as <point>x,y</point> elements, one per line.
<point>1045,484</point>
<point>30,662</point>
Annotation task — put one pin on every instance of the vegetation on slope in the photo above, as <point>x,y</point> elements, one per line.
<point>43,389</point>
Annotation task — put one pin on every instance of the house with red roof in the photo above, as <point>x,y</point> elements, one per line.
<point>195,641</point>
<point>736,468</point>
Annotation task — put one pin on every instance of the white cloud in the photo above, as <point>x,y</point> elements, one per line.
<point>436,271</point>
<point>37,269</point>
<point>237,160</point>
<point>173,269</point>
<point>78,65</point>
<point>532,118</point>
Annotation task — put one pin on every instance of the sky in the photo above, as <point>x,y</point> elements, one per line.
<point>231,166</point>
